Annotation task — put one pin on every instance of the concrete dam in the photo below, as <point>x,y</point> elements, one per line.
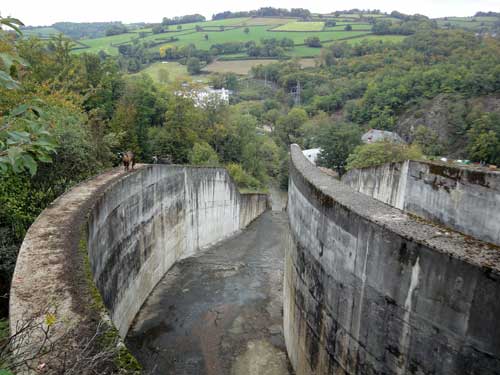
<point>393,270</point>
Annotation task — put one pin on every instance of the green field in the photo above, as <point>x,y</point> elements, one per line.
<point>243,67</point>
<point>355,26</point>
<point>266,21</point>
<point>233,30</point>
<point>382,38</point>
<point>301,26</point>
<point>472,23</point>
<point>175,71</point>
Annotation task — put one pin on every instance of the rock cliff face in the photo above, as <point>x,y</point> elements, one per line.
<point>445,117</point>
<point>370,289</point>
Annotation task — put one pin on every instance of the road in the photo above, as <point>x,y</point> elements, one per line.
<point>221,311</point>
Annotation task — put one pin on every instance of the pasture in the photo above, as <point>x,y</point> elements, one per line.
<point>301,26</point>
<point>174,71</point>
<point>203,35</point>
<point>242,67</point>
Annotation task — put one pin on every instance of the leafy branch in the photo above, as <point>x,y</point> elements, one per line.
<point>22,145</point>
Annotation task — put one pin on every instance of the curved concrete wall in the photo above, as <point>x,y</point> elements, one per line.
<point>370,290</point>
<point>463,199</point>
<point>138,224</point>
<point>153,218</point>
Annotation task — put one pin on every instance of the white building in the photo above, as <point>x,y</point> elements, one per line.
<point>203,97</point>
<point>312,154</point>
<point>209,94</point>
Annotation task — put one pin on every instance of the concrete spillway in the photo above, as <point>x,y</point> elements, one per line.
<point>219,312</point>
<point>120,233</point>
<point>368,288</point>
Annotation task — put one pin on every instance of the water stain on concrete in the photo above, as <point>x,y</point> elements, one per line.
<point>220,312</point>
<point>260,358</point>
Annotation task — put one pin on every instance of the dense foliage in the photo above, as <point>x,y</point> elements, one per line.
<point>375,84</point>
<point>381,152</point>
<point>116,29</point>
<point>265,12</point>
<point>80,30</point>
<point>190,18</point>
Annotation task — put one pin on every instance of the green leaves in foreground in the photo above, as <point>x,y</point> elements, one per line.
<point>13,23</point>
<point>24,141</point>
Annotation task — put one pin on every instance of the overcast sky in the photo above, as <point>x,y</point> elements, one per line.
<point>46,12</point>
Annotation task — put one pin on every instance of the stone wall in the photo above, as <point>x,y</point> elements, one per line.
<point>138,225</point>
<point>463,199</point>
<point>371,290</point>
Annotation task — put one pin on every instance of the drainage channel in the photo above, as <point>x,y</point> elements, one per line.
<point>221,311</point>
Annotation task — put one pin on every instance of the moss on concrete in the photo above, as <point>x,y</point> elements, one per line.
<point>124,360</point>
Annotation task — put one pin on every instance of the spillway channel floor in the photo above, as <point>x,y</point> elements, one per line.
<point>219,312</point>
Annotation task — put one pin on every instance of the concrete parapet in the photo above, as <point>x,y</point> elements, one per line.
<point>370,289</point>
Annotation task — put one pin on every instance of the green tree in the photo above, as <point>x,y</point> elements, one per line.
<point>313,41</point>
<point>348,28</point>
<point>377,153</point>
<point>484,139</point>
<point>193,65</point>
<point>337,141</point>
<point>428,141</point>
<point>24,139</point>
<point>203,154</point>
<point>242,178</point>
<point>246,30</point>
<point>288,127</point>
<point>177,136</point>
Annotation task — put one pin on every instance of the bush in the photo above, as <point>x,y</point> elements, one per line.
<point>313,41</point>
<point>242,178</point>
<point>377,153</point>
<point>203,154</point>
<point>193,65</point>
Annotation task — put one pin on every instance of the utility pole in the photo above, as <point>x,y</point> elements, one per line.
<point>296,93</point>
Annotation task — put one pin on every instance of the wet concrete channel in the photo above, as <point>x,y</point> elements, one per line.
<point>220,312</point>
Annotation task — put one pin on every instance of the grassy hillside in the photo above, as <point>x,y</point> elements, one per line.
<point>205,34</point>
<point>301,26</point>
<point>471,23</point>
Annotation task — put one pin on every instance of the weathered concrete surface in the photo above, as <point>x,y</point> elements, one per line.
<point>371,290</point>
<point>155,217</point>
<point>49,274</point>
<point>219,312</point>
<point>463,199</point>
<point>140,223</point>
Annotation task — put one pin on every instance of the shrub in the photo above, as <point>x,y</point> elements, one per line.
<point>203,154</point>
<point>242,178</point>
<point>382,152</point>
